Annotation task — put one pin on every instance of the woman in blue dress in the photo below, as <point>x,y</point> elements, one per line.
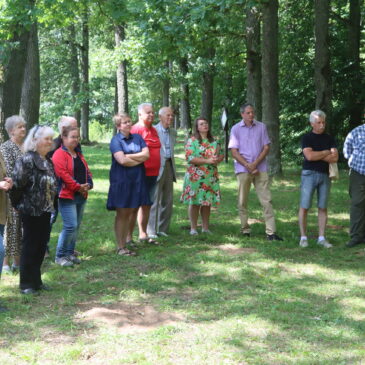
<point>128,190</point>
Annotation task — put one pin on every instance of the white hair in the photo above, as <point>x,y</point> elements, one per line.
<point>65,121</point>
<point>141,106</point>
<point>34,136</point>
<point>318,114</point>
<point>12,122</point>
<point>162,111</point>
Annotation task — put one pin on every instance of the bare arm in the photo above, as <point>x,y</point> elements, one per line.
<point>311,155</point>
<point>333,157</point>
<point>202,161</point>
<point>140,156</point>
<point>128,161</point>
<point>250,166</point>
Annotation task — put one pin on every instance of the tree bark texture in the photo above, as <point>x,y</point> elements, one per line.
<point>185,116</point>
<point>208,88</point>
<point>11,81</point>
<point>356,100</point>
<point>270,83</point>
<point>85,107</point>
<point>75,73</point>
<point>322,67</point>
<point>122,80</point>
<point>253,62</point>
<point>31,89</point>
<point>166,86</point>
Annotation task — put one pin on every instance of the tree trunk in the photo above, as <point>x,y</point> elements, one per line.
<point>185,116</point>
<point>85,107</point>
<point>322,68</point>
<point>208,88</point>
<point>253,62</point>
<point>11,77</point>
<point>75,73</point>
<point>270,84</point>
<point>355,100</point>
<point>166,86</point>
<point>31,90</point>
<point>122,81</point>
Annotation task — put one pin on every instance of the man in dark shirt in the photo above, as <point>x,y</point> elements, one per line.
<point>319,149</point>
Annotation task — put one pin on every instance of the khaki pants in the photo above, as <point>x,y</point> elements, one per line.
<point>261,183</point>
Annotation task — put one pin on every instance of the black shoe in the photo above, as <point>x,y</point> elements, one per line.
<point>45,287</point>
<point>273,237</point>
<point>352,243</point>
<point>29,291</point>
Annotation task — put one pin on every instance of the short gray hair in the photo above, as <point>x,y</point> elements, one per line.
<point>316,113</point>
<point>12,122</point>
<point>162,111</point>
<point>141,106</point>
<point>65,121</point>
<point>34,135</point>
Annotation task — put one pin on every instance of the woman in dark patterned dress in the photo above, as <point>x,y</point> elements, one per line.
<point>11,151</point>
<point>33,195</point>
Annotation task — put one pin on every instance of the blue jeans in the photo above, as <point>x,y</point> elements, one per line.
<point>71,212</point>
<point>314,181</point>
<point>2,250</point>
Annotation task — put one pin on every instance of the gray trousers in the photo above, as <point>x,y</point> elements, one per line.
<point>161,210</point>
<point>357,211</point>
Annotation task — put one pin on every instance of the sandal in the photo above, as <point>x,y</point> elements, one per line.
<point>131,243</point>
<point>125,252</point>
<point>149,240</point>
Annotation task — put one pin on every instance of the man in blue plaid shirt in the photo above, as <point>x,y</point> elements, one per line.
<point>354,151</point>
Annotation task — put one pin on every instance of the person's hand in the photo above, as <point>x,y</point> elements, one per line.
<point>251,167</point>
<point>4,185</point>
<point>9,180</point>
<point>84,188</point>
<point>254,172</point>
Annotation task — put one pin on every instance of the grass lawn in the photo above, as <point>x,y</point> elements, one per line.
<point>218,299</point>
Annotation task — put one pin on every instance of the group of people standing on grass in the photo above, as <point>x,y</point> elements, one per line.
<point>43,176</point>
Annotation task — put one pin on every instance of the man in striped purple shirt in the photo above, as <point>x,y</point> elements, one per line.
<point>249,143</point>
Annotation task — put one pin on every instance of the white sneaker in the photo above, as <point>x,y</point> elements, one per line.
<point>153,236</point>
<point>207,231</point>
<point>193,232</point>
<point>324,243</point>
<point>162,234</point>
<point>63,261</point>
<point>303,243</point>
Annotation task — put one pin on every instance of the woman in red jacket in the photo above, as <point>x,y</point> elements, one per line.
<point>74,182</point>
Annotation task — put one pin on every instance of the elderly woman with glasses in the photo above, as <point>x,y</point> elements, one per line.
<point>128,187</point>
<point>33,195</point>
<point>74,182</point>
<point>11,151</point>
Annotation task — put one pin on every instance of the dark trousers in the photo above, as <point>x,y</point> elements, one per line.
<point>36,231</point>
<point>357,211</point>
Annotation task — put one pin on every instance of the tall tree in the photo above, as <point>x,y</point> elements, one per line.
<point>122,80</point>
<point>206,110</point>
<point>185,115</point>
<point>253,61</point>
<point>356,94</point>
<point>322,68</point>
<point>166,85</point>
<point>270,83</point>
<point>85,107</point>
<point>75,71</point>
<point>31,90</point>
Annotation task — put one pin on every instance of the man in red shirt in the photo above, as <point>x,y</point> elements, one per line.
<point>152,165</point>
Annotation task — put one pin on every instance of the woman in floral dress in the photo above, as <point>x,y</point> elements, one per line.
<point>201,182</point>
<point>11,151</point>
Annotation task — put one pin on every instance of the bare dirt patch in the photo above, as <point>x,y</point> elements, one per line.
<point>130,317</point>
<point>233,250</point>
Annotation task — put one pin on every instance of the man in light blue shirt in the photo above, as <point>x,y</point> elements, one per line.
<point>161,211</point>
<point>354,151</point>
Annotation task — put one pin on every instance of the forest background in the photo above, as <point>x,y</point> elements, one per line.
<point>92,59</point>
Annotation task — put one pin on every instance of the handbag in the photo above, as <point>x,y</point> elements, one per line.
<point>333,171</point>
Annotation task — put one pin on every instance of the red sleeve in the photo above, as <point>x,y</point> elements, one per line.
<point>62,169</point>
